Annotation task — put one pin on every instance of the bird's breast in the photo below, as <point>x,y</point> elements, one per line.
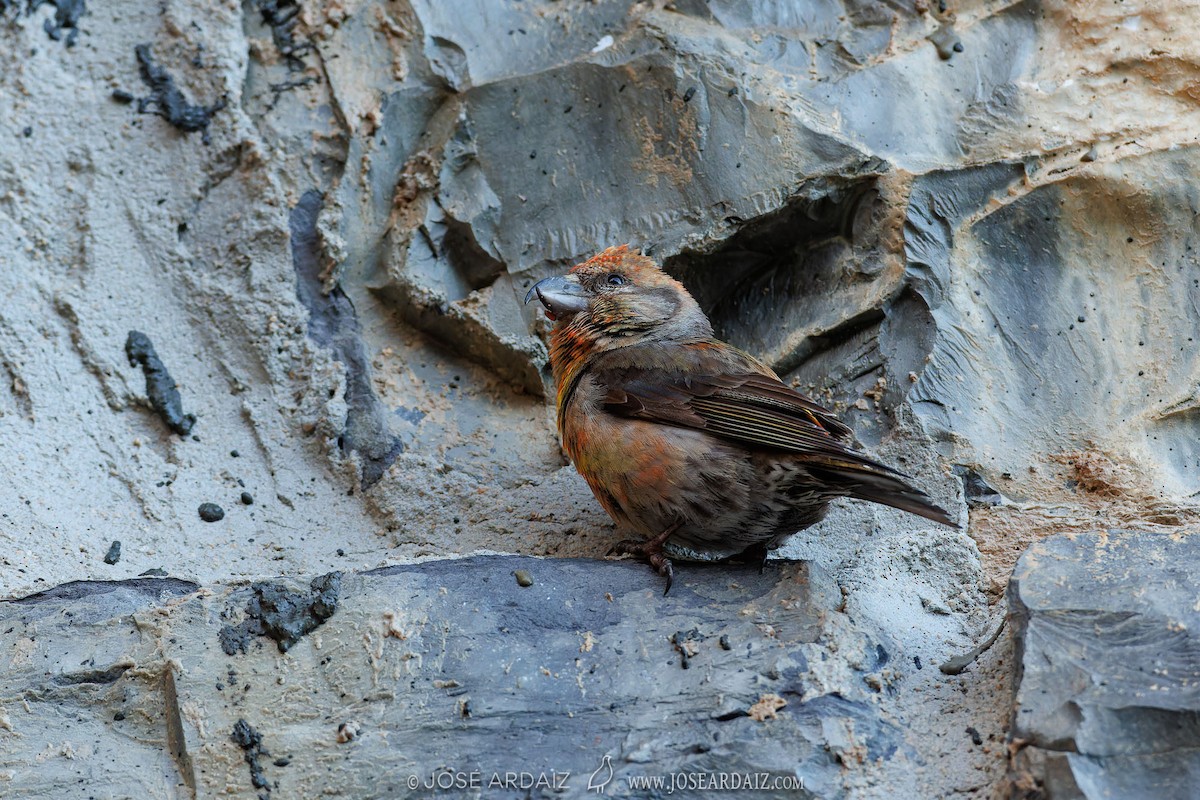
<point>647,475</point>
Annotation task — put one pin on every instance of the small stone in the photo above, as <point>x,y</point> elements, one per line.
<point>122,96</point>
<point>724,642</point>
<point>117,717</point>
<point>341,552</point>
<point>114,553</point>
<point>153,572</point>
<point>234,454</point>
<point>247,499</point>
<point>211,512</point>
<point>523,578</point>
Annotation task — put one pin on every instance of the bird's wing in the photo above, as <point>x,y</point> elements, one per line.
<point>720,389</point>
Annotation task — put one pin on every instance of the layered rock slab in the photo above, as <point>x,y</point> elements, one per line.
<point>1108,693</point>
<point>423,675</point>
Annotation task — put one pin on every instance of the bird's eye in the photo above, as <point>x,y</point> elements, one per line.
<point>616,280</point>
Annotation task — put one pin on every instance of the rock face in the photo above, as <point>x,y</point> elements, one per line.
<point>444,672</point>
<point>969,227</point>
<point>1108,692</point>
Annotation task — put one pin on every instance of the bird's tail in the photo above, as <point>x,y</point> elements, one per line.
<point>868,480</point>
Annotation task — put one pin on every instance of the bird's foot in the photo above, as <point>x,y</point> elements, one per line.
<point>652,551</point>
<point>627,547</point>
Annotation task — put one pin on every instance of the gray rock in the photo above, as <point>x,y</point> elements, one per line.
<point>443,668</point>
<point>84,697</point>
<point>1108,692</point>
<point>968,227</point>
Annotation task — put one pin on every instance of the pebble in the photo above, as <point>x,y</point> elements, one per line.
<point>211,512</point>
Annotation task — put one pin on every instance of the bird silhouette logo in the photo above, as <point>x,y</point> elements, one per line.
<point>602,776</point>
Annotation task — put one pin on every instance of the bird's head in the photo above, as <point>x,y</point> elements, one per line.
<point>617,298</point>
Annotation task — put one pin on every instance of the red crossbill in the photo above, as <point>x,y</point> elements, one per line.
<point>684,439</point>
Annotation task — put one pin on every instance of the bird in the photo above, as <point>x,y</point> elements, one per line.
<point>686,441</point>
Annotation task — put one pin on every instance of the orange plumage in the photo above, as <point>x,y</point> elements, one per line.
<point>684,439</point>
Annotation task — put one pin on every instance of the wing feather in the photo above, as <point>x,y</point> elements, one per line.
<point>719,389</point>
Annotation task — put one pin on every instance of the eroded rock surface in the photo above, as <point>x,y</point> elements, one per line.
<point>1108,692</point>
<point>453,667</point>
<point>969,227</point>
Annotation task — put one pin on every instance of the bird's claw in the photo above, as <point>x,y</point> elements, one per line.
<point>663,565</point>
<point>652,551</point>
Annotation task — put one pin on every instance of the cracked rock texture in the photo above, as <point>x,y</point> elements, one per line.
<point>1107,653</point>
<point>969,227</point>
<point>452,664</point>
